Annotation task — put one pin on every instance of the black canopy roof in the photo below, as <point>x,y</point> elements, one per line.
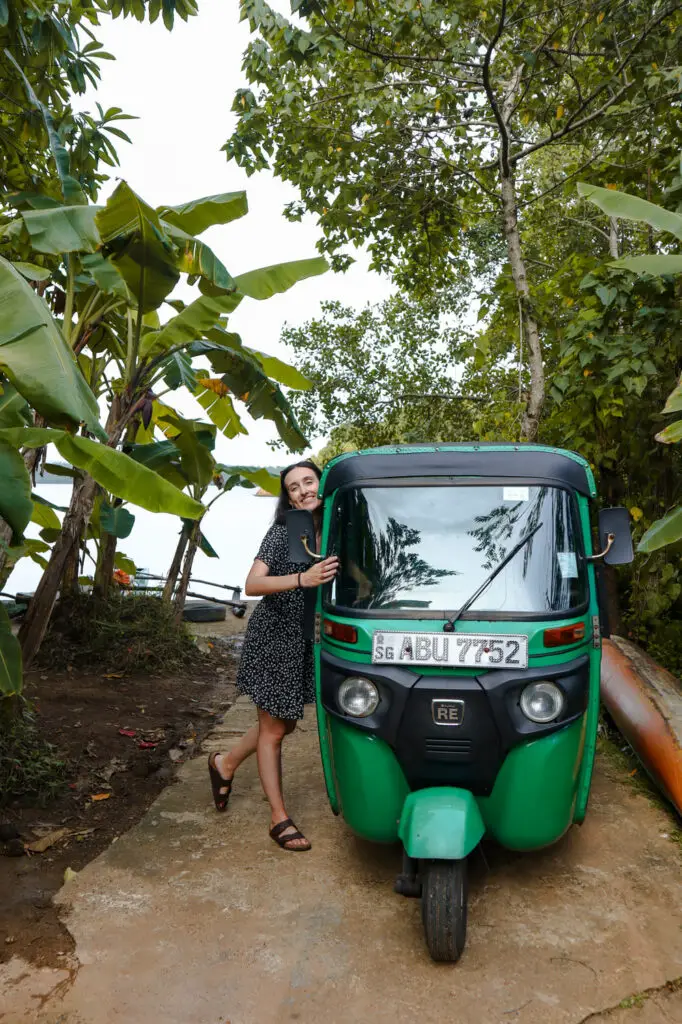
<point>520,462</point>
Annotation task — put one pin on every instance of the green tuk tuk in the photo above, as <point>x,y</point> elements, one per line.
<point>457,654</point>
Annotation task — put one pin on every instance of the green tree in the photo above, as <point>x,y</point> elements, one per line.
<point>52,45</point>
<point>406,124</point>
<point>385,371</point>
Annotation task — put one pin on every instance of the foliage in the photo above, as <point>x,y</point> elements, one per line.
<point>667,530</point>
<point>30,767</point>
<point>389,118</point>
<point>386,367</point>
<point>121,634</point>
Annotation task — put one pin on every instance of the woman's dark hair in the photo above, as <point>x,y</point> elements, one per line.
<point>283,503</point>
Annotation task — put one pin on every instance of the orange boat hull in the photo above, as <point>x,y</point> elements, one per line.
<point>645,702</point>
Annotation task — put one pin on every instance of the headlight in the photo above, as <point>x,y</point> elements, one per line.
<point>542,702</point>
<point>358,697</point>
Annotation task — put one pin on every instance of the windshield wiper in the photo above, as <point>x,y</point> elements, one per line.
<point>449,626</point>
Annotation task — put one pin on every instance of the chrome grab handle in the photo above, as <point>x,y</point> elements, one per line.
<point>610,537</point>
<point>304,542</point>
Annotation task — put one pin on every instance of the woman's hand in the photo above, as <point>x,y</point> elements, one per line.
<point>321,572</point>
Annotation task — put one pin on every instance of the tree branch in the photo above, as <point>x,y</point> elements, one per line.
<point>492,100</point>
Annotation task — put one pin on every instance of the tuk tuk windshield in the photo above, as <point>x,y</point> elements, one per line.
<point>428,548</point>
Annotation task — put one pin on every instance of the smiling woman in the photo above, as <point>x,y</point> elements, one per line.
<point>276,668</point>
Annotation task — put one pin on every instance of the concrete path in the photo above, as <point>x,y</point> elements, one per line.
<point>197,918</point>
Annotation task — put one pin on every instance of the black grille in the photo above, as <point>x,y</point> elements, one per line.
<point>447,750</point>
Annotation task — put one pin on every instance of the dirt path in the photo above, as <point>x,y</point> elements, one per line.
<point>196,918</point>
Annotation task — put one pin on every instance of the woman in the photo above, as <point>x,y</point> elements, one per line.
<point>276,668</point>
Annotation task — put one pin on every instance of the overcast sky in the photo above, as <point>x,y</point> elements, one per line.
<point>181,84</point>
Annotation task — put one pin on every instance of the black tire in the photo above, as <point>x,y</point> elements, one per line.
<point>444,908</point>
<point>204,611</point>
<point>239,612</point>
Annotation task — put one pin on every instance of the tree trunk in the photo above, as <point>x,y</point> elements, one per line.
<point>75,521</point>
<point>40,609</point>
<point>174,570</point>
<point>71,568</point>
<point>613,238</point>
<point>192,545</point>
<point>536,398</point>
<point>105,565</point>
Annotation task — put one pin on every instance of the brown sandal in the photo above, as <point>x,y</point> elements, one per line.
<point>219,782</point>
<point>276,834</point>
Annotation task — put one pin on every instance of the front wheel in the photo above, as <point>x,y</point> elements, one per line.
<point>444,907</point>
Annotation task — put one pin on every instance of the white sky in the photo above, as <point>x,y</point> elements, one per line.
<point>181,85</point>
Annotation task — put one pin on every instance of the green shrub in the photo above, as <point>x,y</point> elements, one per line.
<point>122,634</point>
<point>30,768</point>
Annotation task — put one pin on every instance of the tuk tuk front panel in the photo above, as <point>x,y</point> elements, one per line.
<point>534,798</point>
<point>364,778</point>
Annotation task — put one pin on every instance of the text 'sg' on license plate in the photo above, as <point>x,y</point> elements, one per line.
<point>476,650</point>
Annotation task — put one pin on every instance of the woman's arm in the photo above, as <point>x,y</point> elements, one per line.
<point>259,583</point>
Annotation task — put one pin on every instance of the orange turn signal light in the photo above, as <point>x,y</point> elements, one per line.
<point>564,635</point>
<point>340,631</point>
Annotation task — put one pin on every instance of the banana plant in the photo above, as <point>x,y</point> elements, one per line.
<point>185,457</point>
<point>668,529</point>
<point>117,266</point>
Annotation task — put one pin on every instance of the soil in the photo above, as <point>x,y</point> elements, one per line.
<point>111,779</point>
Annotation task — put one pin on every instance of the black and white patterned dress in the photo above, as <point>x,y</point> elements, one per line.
<point>276,668</point>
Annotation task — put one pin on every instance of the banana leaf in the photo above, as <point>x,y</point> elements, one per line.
<point>220,410</point>
<point>14,409</point>
<point>269,281</point>
<point>10,658</point>
<point>116,472</point>
<point>62,229</point>
<point>195,447</point>
<point>282,372</point>
<point>37,359</point>
<point>627,207</point>
<point>196,216</point>
<point>661,533</point>
<point>134,240</point>
<point>16,506</point>
<point>117,521</point>
<point>198,260</point>
<point>246,378</point>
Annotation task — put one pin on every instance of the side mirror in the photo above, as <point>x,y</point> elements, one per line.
<point>301,536</point>
<point>614,536</point>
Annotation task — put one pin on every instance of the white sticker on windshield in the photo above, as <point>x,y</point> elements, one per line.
<point>515,494</point>
<point>568,565</point>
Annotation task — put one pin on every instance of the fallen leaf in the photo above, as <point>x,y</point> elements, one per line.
<point>100,796</point>
<point>69,874</point>
<point>127,732</point>
<point>113,675</point>
<point>633,772</point>
<point>40,845</point>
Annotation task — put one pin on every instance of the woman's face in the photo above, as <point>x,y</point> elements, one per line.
<point>302,485</point>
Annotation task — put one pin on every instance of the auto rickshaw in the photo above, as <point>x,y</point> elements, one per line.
<point>457,653</point>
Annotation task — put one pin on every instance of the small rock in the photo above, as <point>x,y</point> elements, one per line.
<point>9,940</point>
<point>175,754</point>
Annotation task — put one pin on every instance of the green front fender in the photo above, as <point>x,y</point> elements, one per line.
<point>443,823</point>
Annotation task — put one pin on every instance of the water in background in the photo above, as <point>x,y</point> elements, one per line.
<point>234,528</point>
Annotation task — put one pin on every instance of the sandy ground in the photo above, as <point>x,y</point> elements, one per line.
<point>197,918</point>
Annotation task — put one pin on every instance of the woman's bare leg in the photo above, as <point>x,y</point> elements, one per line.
<point>228,763</point>
<point>271,732</point>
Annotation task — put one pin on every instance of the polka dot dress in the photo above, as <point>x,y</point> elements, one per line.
<point>276,668</point>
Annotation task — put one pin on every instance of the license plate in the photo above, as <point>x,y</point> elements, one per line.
<point>461,650</point>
